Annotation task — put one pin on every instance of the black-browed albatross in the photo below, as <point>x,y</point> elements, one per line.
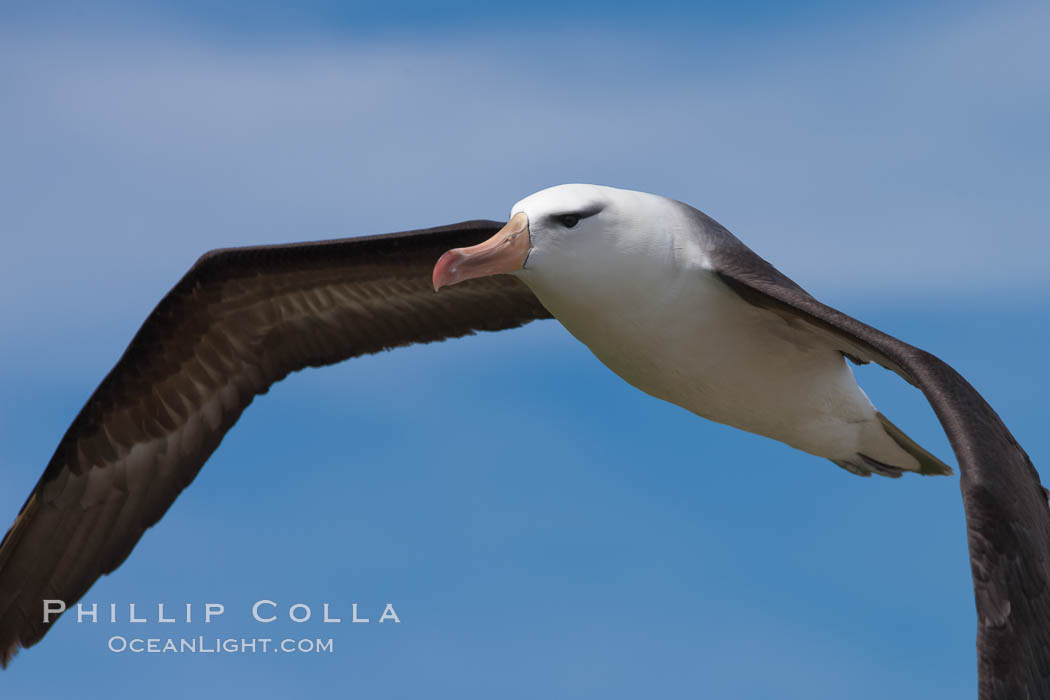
<point>662,294</point>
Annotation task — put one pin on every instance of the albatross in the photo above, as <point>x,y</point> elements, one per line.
<point>660,293</point>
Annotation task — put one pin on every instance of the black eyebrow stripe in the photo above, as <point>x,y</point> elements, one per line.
<point>581,213</point>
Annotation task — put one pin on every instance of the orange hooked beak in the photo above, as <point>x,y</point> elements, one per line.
<point>504,252</point>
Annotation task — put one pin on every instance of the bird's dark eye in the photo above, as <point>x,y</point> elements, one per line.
<point>569,220</point>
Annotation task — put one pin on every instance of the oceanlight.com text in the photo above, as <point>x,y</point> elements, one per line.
<point>219,645</point>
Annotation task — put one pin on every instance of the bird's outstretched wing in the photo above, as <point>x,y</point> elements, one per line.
<point>238,321</point>
<point>1007,517</point>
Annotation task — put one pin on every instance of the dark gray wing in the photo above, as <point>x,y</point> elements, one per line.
<point>238,321</point>
<point>1007,517</point>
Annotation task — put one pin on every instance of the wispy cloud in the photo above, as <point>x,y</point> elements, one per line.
<point>895,160</point>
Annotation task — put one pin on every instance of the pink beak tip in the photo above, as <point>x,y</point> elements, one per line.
<point>442,275</point>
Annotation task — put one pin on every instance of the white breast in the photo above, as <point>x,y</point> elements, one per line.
<point>670,327</point>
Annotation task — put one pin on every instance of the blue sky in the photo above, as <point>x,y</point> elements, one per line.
<point>893,161</point>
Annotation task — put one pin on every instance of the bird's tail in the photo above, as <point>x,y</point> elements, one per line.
<point>865,465</point>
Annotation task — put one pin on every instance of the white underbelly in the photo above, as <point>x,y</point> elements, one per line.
<point>714,354</point>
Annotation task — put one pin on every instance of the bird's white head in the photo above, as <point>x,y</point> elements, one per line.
<point>597,236</point>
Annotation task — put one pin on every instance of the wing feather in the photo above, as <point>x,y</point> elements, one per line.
<point>238,321</point>
<point>1007,516</point>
